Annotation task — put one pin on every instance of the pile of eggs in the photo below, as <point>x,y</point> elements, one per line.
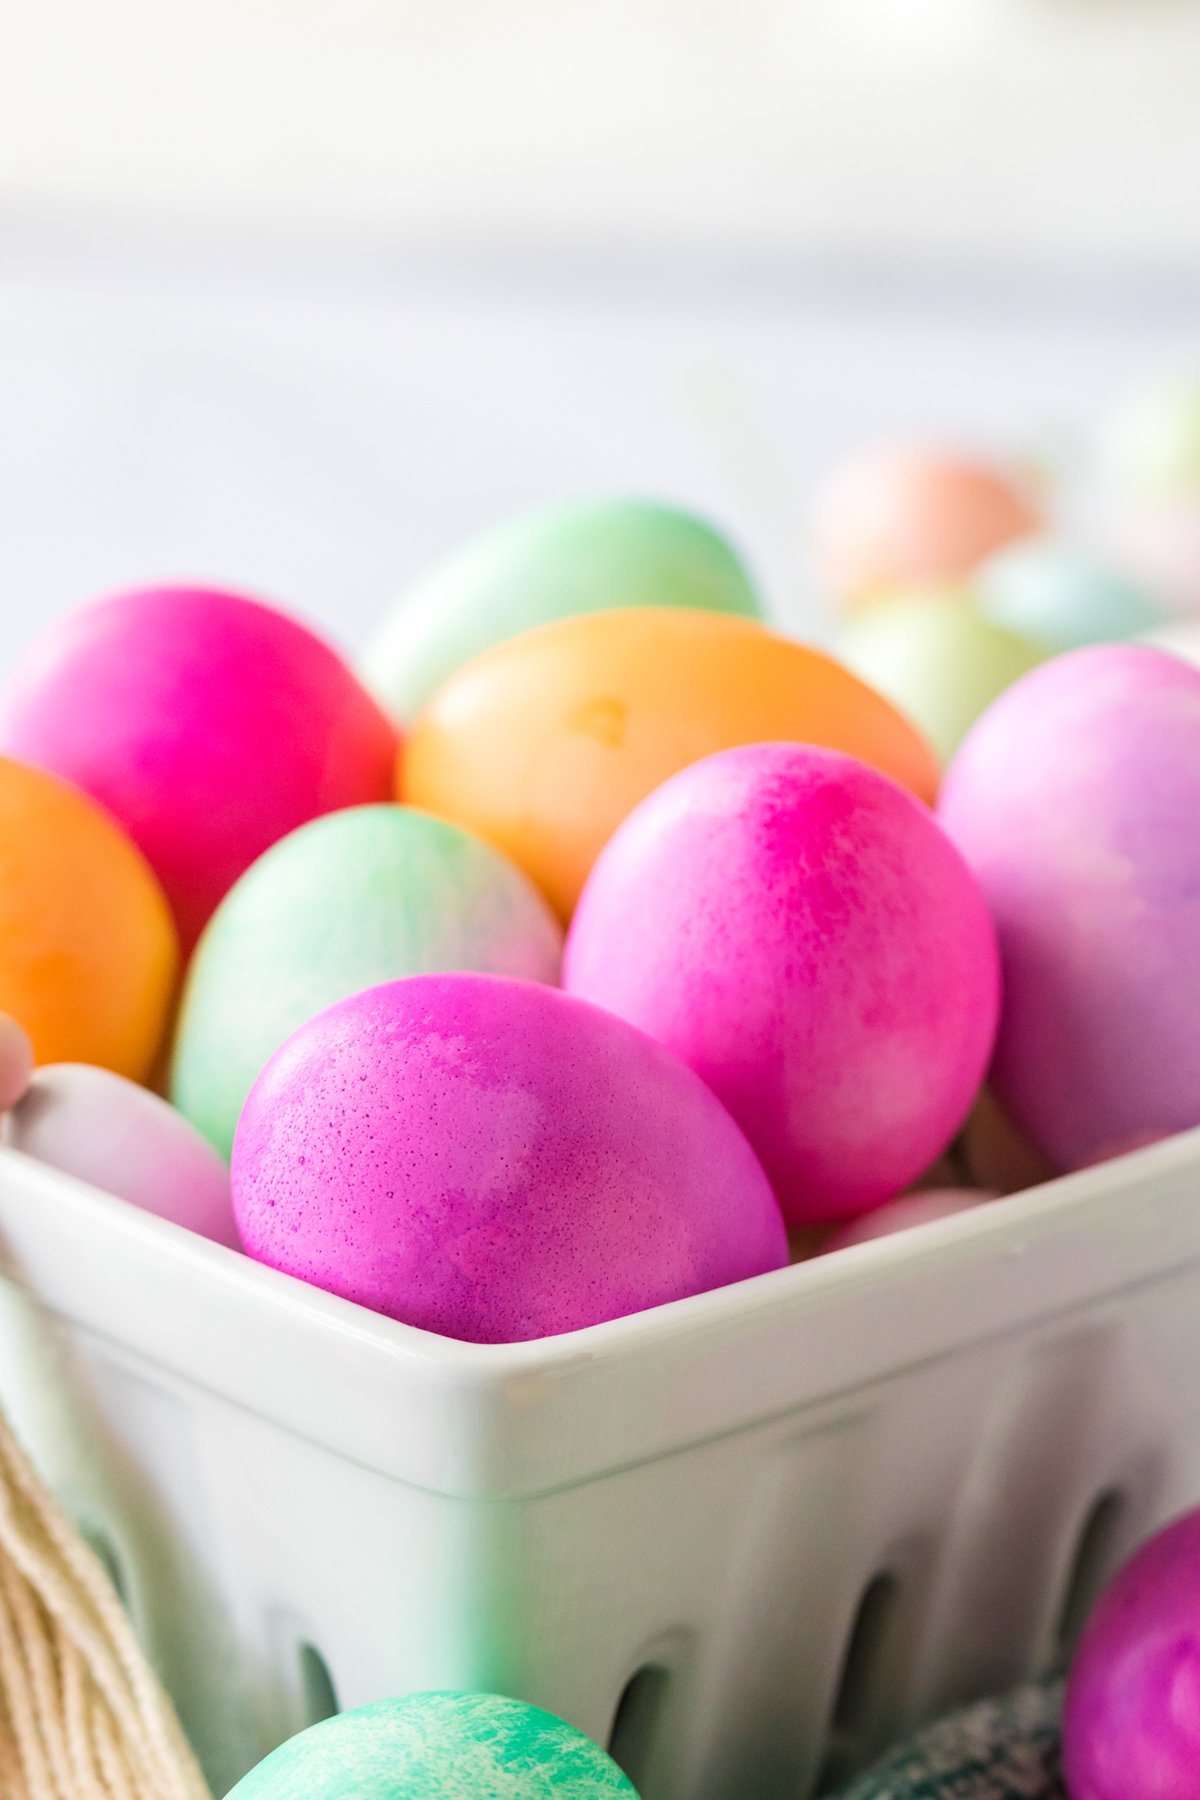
<point>596,944</point>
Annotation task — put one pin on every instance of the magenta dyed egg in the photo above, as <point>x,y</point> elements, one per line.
<point>1074,800</point>
<point>493,1160</point>
<point>1131,1725</point>
<point>207,724</point>
<point>799,930</point>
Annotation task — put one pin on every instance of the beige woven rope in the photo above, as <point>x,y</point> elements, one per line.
<point>82,1715</point>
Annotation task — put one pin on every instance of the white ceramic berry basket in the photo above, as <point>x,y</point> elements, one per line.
<point>744,1538</point>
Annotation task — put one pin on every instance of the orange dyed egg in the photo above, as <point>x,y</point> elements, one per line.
<point>901,516</point>
<point>88,954</point>
<point>543,744</point>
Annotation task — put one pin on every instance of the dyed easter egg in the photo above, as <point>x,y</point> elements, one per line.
<point>1151,447</point>
<point>905,1211</point>
<point>1158,543</point>
<point>88,954</point>
<point>349,901</point>
<point>1060,597</point>
<point>583,556</point>
<point>207,724</point>
<point>1070,800</point>
<point>16,1062</point>
<point>545,744</point>
<point>799,930</point>
<point>1131,1720</point>
<point>493,1160</point>
<point>127,1141</point>
<point>936,657</point>
<point>897,517</point>
<point>438,1747</point>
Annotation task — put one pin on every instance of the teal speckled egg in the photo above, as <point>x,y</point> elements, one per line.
<point>1061,597</point>
<point>349,901</point>
<point>576,557</point>
<point>438,1747</point>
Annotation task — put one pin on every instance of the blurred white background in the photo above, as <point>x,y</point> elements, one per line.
<point>295,295</point>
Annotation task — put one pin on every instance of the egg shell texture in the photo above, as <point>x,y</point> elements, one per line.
<point>580,556</point>
<point>207,724</point>
<point>545,744</point>
<point>350,900</point>
<point>1072,801</point>
<point>492,1160</point>
<point>798,929</point>
<point>438,1747</point>
<point>1131,1719</point>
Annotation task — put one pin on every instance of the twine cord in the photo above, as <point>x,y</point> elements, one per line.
<point>82,1714</point>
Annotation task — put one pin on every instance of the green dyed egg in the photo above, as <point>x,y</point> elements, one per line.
<point>1060,597</point>
<point>438,1747</point>
<point>937,658</point>
<point>346,902</point>
<point>1151,449</point>
<point>578,557</point>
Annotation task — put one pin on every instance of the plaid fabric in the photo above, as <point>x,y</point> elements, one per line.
<point>996,1750</point>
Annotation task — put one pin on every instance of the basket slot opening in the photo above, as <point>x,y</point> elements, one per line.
<point>318,1695</point>
<point>864,1664</point>
<point>1089,1569</point>
<point>635,1721</point>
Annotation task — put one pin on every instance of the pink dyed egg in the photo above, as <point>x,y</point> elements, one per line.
<point>1131,1725</point>
<point>207,724</point>
<point>798,929</point>
<point>1072,799</point>
<point>907,1210</point>
<point>492,1160</point>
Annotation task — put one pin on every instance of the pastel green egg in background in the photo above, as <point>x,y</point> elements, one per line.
<point>438,1747</point>
<point>1061,597</point>
<point>933,654</point>
<point>1150,449</point>
<point>350,900</point>
<point>576,557</point>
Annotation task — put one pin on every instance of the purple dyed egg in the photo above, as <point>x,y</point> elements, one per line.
<point>492,1160</point>
<point>1075,800</point>
<point>1131,1727</point>
<point>800,931</point>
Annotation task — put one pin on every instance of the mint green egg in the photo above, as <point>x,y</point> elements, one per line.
<point>935,656</point>
<point>1060,597</point>
<point>348,901</point>
<point>578,557</point>
<point>438,1747</point>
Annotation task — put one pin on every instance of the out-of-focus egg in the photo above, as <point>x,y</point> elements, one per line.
<point>105,1130</point>
<point>1070,800</point>
<point>1181,637</point>
<point>1055,595</point>
<point>996,1154</point>
<point>16,1061</point>
<point>88,954</point>
<point>493,1160</point>
<point>936,657</point>
<point>898,517</point>
<point>800,931</point>
<point>544,744</point>
<point>583,556</point>
<point>207,724</point>
<point>1131,1723</point>
<point>349,901</point>
<point>902,1213</point>
<point>1151,447</point>
<point>438,1747</point>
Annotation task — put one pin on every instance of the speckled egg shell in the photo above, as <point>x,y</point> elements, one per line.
<point>1071,800</point>
<point>206,723</point>
<point>800,931</point>
<point>495,1161</point>
<point>438,1747</point>
<point>580,556</point>
<point>350,900</point>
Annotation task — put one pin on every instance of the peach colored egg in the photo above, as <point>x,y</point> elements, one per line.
<point>900,516</point>
<point>545,743</point>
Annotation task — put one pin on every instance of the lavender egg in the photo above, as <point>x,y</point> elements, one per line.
<point>1073,799</point>
<point>492,1160</point>
<point>1131,1724</point>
